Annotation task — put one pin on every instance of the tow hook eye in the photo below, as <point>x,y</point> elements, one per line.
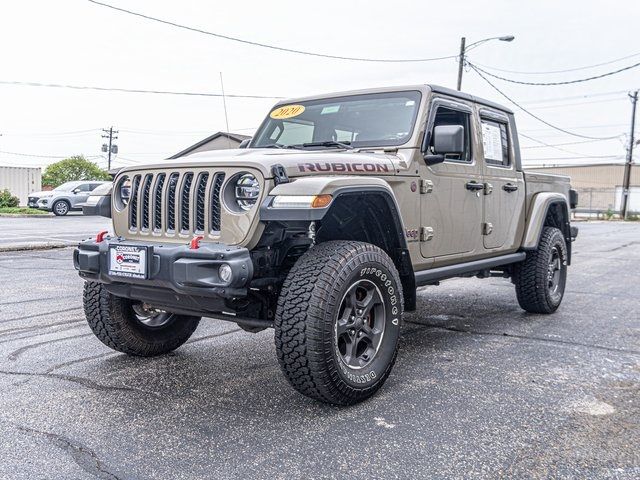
<point>195,242</point>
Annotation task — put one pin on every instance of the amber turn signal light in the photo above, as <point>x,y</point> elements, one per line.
<point>321,201</point>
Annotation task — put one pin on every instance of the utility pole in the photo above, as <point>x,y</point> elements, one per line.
<point>110,147</point>
<point>463,41</point>
<point>626,181</point>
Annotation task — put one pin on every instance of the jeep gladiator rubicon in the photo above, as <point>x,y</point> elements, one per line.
<point>322,227</point>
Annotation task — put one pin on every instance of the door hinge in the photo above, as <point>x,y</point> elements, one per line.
<point>426,234</point>
<point>487,228</point>
<point>488,188</point>
<point>426,186</point>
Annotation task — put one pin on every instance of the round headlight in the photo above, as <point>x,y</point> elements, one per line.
<point>247,191</point>
<point>122,192</point>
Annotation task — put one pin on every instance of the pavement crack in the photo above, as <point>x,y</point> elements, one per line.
<point>80,381</point>
<point>13,356</point>
<point>26,317</point>
<point>626,245</point>
<point>79,360</point>
<point>40,299</point>
<point>82,455</point>
<point>215,335</point>
<point>19,330</point>
<point>528,337</point>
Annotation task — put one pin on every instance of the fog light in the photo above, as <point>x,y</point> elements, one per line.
<point>225,273</point>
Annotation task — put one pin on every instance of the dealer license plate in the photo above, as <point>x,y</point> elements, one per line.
<point>128,261</point>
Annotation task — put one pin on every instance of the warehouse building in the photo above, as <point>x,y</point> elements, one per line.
<point>217,141</point>
<point>599,186</point>
<point>21,181</point>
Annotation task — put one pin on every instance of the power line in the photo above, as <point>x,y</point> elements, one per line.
<point>572,158</point>
<point>44,156</point>
<point>51,134</point>
<point>602,125</point>
<point>547,84</point>
<point>130,90</point>
<point>556,147</point>
<point>265,45</point>
<point>562,105</point>
<point>573,97</point>
<point>586,67</point>
<point>544,145</point>
<point>533,114</point>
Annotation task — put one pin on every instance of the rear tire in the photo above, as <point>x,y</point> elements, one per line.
<point>60,208</point>
<point>338,322</point>
<point>121,327</point>
<point>541,278</point>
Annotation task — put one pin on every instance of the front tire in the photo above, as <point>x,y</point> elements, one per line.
<point>338,322</point>
<point>60,208</point>
<point>124,326</point>
<point>541,278</point>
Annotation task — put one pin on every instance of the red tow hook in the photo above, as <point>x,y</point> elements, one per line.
<point>101,235</point>
<point>195,242</point>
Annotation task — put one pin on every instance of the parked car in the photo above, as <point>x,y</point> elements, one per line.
<point>323,228</point>
<point>65,198</point>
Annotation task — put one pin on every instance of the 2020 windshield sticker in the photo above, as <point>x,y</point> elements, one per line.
<point>286,111</point>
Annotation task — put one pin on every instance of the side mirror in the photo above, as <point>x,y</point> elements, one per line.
<point>447,139</point>
<point>244,143</point>
<point>75,191</point>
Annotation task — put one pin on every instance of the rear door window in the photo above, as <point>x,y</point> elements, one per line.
<point>495,142</point>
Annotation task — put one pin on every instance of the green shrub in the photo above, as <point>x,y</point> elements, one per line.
<point>8,200</point>
<point>609,214</point>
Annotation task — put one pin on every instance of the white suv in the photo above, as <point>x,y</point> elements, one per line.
<point>68,196</point>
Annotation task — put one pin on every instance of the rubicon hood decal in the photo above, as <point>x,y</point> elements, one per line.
<point>344,167</point>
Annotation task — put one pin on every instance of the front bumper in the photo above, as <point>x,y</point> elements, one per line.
<point>172,269</point>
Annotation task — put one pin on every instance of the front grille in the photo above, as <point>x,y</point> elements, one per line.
<point>170,202</point>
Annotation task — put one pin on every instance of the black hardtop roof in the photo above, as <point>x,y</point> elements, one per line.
<point>465,96</point>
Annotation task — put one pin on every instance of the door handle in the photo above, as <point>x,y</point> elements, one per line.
<point>510,187</point>
<point>473,185</point>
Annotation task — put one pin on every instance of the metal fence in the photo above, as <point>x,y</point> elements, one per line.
<point>603,202</point>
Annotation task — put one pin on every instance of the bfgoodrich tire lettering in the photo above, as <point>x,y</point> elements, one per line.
<point>540,279</point>
<point>114,321</point>
<point>310,307</point>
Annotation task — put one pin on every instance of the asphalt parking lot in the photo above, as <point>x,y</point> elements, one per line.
<point>480,388</point>
<point>51,231</point>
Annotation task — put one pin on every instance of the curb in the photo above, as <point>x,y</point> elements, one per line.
<point>22,215</point>
<point>33,246</point>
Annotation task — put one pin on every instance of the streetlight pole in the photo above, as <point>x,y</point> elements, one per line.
<point>464,49</point>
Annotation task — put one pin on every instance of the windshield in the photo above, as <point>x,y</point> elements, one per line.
<point>368,120</point>
<point>66,187</point>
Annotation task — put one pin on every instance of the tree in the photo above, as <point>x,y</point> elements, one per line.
<point>70,169</point>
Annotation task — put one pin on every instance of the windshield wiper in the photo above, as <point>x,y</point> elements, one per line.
<point>328,143</point>
<point>273,145</point>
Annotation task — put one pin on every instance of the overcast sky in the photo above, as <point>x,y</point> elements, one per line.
<point>76,42</point>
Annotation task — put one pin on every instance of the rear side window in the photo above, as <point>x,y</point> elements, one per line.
<point>85,187</point>
<point>495,142</point>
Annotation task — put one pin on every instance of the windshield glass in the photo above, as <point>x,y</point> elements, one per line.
<point>66,187</point>
<point>368,120</point>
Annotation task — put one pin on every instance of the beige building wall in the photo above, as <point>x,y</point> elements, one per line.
<point>21,181</point>
<point>596,176</point>
<point>599,186</point>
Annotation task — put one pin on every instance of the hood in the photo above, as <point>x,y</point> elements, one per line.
<point>296,162</point>
<point>39,194</point>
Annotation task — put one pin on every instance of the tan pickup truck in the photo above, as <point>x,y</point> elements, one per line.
<point>323,226</point>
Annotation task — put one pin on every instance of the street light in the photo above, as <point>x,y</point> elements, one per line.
<point>464,49</point>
